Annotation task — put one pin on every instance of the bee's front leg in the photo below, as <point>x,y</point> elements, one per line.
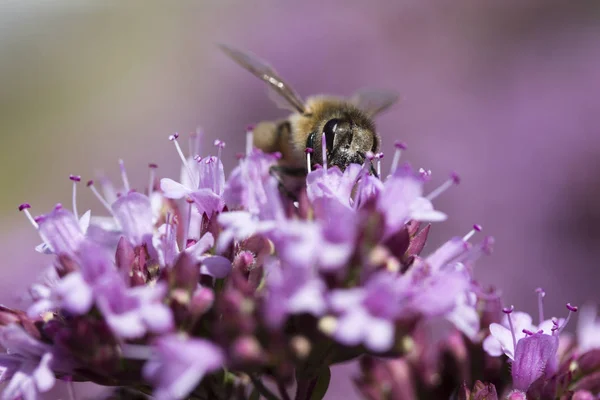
<point>278,172</point>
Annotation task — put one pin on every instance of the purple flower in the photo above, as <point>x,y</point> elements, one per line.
<point>532,356</point>
<point>402,200</point>
<point>75,291</point>
<point>27,364</point>
<point>501,341</point>
<point>208,272</point>
<point>239,225</point>
<point>202,180</point>
<point>71,294</point>
<point>332,184</point>
<point>366,315</point>
<point>133,212</point>
<point>533,351</point>
<point>244,188</point>
<point>464,316</point>
<point>133,312</point>
<point>216,266</point>
<point>515,327</point>
<point>29,380</point>
<point>425,291</point>
<point>208,198</point>
<point>291,290</point>
<point>61,231</point>
<point>336,240</point>
<point>179,364</point>
<point>165,243</point>
<point>368,188</point>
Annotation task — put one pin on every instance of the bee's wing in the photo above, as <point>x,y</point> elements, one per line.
<point>262,70</point>
<point>374,101</point>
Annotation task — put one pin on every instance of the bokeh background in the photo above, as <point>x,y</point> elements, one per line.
<point>507,93</point>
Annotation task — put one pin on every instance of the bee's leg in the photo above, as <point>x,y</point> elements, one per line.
<point>291,171</point>
<point>374,171</point>
<point>277,172</point>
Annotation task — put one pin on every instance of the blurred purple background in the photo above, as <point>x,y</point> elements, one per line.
<point>506,93</point>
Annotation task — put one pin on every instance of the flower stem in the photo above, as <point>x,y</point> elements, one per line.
<point>262,388</point>
<point>282,390</point>
<point>305,388</point>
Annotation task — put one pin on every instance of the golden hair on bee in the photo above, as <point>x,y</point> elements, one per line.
<point>347,123</point>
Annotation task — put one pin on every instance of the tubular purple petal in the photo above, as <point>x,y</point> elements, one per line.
<point>61,231</point>
<point>134,214</point>
<point>532,355</point>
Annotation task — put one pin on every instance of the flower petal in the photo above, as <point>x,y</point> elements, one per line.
<point>173,190</point>
<point>532,355</point>
<point>216,266</point>
<point>380,335</point>
<point>76,295</point>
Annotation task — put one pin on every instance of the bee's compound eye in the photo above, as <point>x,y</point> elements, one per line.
<point>329,130</point>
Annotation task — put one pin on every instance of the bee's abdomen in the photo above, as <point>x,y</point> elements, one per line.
<point>273,137</point>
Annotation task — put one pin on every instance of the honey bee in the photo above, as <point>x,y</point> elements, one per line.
<point>347,123</point>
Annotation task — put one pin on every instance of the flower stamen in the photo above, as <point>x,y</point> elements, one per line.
<point>173,138</point>
<point>198,140</point>
<point>469,235</point>
<point>378,157</point>
<point>425,173</point>
<point>397,154</point>
<point>308,151</point>
<point>167,236</point>
<point>103,201</point>
<point>25,209</point>
<point>152,178</point>
<point>220,145</point>
<point>249,139</point>
<point>76,179</point>
<point>194,143</point>
<point>540,292</point>
<point>124,176</point>
<point>453,180</point>
<point>508,311</point>
<point>572,309</point>
<point>188,222</point>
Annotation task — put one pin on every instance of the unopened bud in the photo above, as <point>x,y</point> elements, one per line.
<point>181,296</point>
<point>517,395</point>
<point>583,395</point>
<point>125,255</point>
<point>186,272</point>
<point>379,255</point>
<point>484,391</point>
<point>244,261</point>
<point>247,348</point>
<point>301,346</point>
<point>328,324</point>
<point>202,300</point>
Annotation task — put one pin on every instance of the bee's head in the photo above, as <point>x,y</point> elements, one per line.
<point>347,140</point>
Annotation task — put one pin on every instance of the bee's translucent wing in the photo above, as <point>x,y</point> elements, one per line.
<point>262,70</point>
<point>374,101</point>
<point>279,101</point>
